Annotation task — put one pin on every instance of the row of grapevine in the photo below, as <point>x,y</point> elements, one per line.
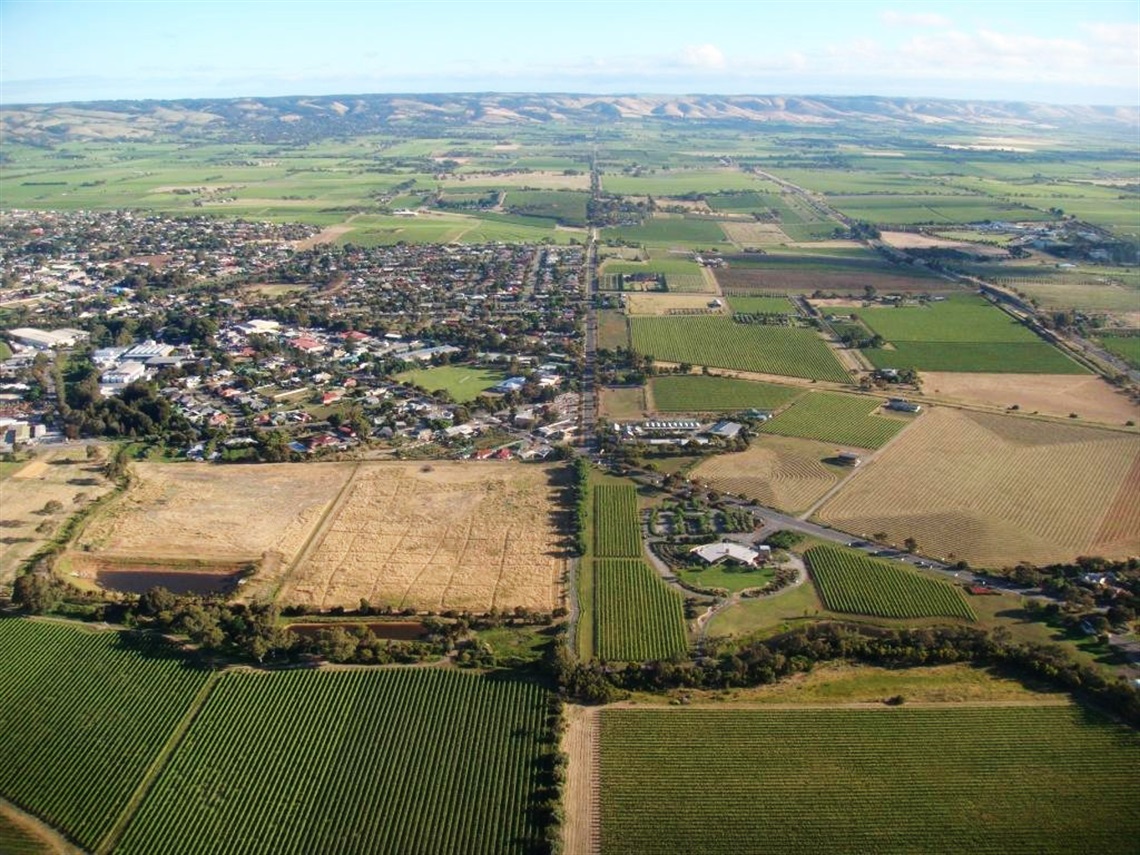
<point>830,417</point>
<point>84,714</point>
<point>636,617</point>
<point>351,762</point>
<point>950,779</point>
<point>617,528</point>
<point>720,343</point>
<point>852,582</point>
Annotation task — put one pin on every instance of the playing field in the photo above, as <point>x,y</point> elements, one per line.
<point>720,343</point>
<point>778,472</point>
<point>462,382</point>
<point>943,779</point>
<point>996,490</point>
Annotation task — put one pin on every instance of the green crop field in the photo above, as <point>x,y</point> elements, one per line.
<point>636,617</point>
<point>852,582</point>
<point>84,715</point>
<point>352,762</point>
<point>1126,346</point>
<point>566,206</point>
<point>695,393</point>
<point>463,382</point>
<point>761,306</point>
<point>720,343</point>
<point>670,230</point>
<point>1030,357</point>
<point>992,781</point>
<point>617,527</point>
<point>963,333</point>
<point>830,417</point>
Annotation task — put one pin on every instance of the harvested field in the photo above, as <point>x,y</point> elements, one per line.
<point>996,490</point>
<point>622,402</point>
<point>779,472</point>
<point>26,524</point>
<point>1090,397</point>
<point>649,303</point>
<point>173,512</point>
<point>465,536</point>
<point>754,234</point>
<point>914,240</point>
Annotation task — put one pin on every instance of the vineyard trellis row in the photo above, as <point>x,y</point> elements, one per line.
<point>636,617</point>
<point>617,529</point>
<point>851,582</point>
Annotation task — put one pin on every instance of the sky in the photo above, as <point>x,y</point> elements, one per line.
<point>1046,51</point>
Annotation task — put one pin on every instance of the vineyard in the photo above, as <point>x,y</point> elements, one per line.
<point>933,780</point>
<point>843,419</point>
<point>84,715</point>
<point>718,342</point>
<point>362,761</point>
<point>995,490</point>
<point>636,617</point>
<point>852,582</point>
<point>694,393</point>
<point>617,528</point>
<point>761,306</point>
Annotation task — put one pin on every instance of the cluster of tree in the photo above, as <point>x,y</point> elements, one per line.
<point>136,411</point>
<point>764,662</point>
<point>783,539</point>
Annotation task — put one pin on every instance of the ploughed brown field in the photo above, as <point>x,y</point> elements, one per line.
<point>996,490</point>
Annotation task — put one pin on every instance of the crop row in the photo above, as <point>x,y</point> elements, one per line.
<point>365,761</point>
<point>695,393</point>
<point>852,582</point>
<point>617,529</point>
<point>857,780</point>
<point>636,617</point>
<point>828,417</point>
<point>718,342</point>
<point>83,716</point>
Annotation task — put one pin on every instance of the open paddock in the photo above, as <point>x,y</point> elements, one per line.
<point>433,537</point>
<point>1089,396</point>
<point>672,304</point>
<point>996,490</point>
<point>65,476</point>
<point>828,278</point>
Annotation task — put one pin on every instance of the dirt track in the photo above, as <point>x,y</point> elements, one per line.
<point>581,825</point>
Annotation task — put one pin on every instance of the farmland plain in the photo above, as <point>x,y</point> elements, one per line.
<point>811,780</point>
<point>831,417</point>
<point>996,490</point>
<point>695,393</point>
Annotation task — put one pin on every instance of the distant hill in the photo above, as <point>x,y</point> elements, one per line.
<point>300,118</point>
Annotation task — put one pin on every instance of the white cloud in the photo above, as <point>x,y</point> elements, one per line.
<point>706,57</point>
<point>914,19</point>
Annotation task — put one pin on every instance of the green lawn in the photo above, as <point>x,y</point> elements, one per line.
<point>462,382</point>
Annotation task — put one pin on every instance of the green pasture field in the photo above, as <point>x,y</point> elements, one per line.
<point>566,206</point>
<point>420,760</point>
<point>636,617</point>
<point>1029,357</point>
<point>905,210</point>
<point>720,343</point>
<point>612,330</point>
<point>1124,345</point>
<point>695,393</point>
<point>669,230</point>
<point>462,382</point>
<point>842,419</point>
<point>762,305</point>
<point>854,583</point>
<point>963,333</point>
<point>658,263</point>
<point>957,319</point>
<point>84,716</point>
<point>942,779</point>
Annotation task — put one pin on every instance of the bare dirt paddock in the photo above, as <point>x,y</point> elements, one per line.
<point>464,536</point>
<point>449,535</point>
<point>1090,397</point>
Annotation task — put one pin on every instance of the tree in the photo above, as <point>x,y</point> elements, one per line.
<point>36,593</point>
<point>911,544</point>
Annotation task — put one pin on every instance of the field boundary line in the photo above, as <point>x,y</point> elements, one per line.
<point>756,706</point>
<point>107,844</point>
<point>581,832</point>
<point>319,531</point>
<point>843,482</point>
